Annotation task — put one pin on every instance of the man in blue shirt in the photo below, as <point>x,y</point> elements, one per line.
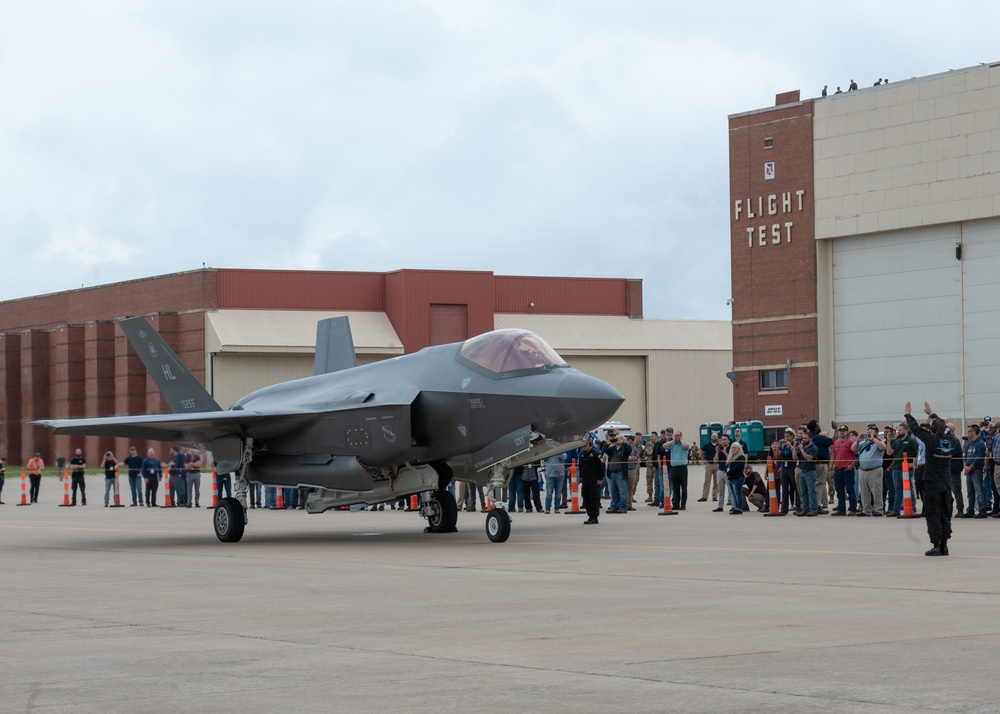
<point>805,451</point>
<point>825,487</point>
<point>974,461</point>
<point>134,464</point>
<point>152,472</point>
<point>679,471</point>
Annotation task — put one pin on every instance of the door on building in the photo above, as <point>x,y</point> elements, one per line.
<point>449,323</point>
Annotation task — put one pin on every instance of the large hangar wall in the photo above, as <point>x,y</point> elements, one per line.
<point>907,184</point>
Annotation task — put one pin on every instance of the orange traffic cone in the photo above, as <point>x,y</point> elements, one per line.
<point>414,503</point>
<point>668,508</point>
<point>215,489</point>
<point>66,502</point>
<point>279,498</point>
<point>772,491</point>
<point>574,490</point>
<point>166,491</point>
<point>907,498</point>
<point>24,490</point>
<point>118,499</point>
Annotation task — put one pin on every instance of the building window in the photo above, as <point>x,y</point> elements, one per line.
<point>768,143</point>
<point>773,379</point>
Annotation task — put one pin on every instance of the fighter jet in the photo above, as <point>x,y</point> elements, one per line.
<point>379,432</point>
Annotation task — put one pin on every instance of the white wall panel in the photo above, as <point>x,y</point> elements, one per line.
<point>897,323</point>
<point>981,265</point>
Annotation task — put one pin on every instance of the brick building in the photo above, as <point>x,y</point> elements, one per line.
<point>865,234</point>
<point>62,355</point>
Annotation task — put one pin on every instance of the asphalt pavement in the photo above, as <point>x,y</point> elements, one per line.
<point>135,609</point>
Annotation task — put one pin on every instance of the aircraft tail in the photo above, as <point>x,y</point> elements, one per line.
<point>334,346</point>
<point>179,386</point>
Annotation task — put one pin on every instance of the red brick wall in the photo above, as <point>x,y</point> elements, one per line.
<point>64,356</point>
<point>10,403</point>
<point>179,292</point>
<point>774,273</point>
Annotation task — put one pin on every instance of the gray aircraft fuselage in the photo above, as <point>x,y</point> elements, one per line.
<point>430,406</point>
<point>460,408</point>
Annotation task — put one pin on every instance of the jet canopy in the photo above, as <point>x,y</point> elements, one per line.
<point>510,353</point>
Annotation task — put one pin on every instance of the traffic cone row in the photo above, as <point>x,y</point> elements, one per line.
<point>772,491</point>
<point>24,490</point>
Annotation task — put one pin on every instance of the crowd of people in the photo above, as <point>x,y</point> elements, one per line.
<point>853,86</point>
<point>915,468</point>
<point>179,473</point>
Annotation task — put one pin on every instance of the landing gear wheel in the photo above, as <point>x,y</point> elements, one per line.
<point>498,525</point>
<point>443,512</point>
<point>230,520</point>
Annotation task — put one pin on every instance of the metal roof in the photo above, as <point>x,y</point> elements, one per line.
<point>294,331</point>
<point>607,333</point>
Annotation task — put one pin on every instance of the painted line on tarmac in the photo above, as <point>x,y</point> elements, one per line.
<point>137,529</point>
<point>801,551</point>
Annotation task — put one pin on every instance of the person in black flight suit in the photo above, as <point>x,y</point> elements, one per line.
<point>591,475</point>
<point>938,501</point>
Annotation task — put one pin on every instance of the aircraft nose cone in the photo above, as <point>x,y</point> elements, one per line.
<point>589,401</point>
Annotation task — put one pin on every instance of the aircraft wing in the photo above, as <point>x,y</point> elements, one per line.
<point>197,428</point>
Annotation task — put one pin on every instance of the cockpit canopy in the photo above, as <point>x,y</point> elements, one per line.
<point>510,353</point>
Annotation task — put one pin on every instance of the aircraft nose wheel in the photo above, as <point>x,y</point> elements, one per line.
<point>498,525</point>
<point>230,520</point>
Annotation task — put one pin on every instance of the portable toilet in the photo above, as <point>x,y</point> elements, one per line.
<point>753,436</point>
<point>706,430</point>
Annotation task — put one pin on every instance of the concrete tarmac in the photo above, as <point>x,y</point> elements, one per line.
<point>135,609</point>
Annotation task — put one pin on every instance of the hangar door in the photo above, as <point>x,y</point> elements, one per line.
<point>627,375</point>
<point>912,322</point>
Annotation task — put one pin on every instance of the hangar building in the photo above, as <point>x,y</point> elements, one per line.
<point>62,355</point>
<point>865,245</point>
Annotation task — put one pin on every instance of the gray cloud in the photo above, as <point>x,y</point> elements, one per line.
<point>585,138</point>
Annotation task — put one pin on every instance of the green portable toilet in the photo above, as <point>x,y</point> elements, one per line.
<point>705,433</point>
<point>753,437</point>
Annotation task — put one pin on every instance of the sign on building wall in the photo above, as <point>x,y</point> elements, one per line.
<point>772,410</point>
<point>768,170</point>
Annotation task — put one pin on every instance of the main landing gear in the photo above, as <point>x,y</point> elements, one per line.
<point>440,510</point>
<point>230,520</point>
<point>230,517</point>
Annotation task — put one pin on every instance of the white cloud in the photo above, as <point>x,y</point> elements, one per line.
<point>545,137</point>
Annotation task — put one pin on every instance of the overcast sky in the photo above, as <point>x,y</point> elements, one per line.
<point>528,138</point>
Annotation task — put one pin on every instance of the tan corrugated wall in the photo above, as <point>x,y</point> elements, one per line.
<point>236,375</point>
<point>627,375</point>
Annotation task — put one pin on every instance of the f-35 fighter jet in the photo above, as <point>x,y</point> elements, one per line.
<point>379,432</point>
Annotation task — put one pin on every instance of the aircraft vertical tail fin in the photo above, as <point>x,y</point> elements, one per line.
<point>179,386</point>
<point>334,346</point>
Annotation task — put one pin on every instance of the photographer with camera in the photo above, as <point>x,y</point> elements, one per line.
<point>870,449</point>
